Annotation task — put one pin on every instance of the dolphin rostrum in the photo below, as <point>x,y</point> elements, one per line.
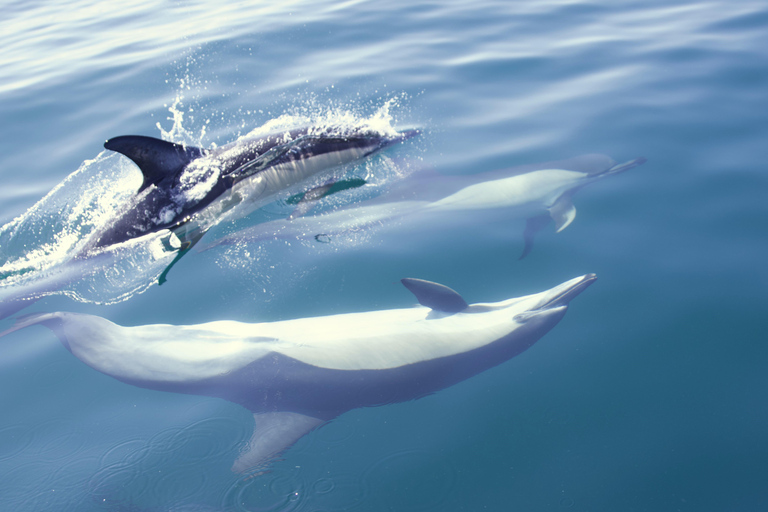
<point>425,200</point>
<point>295,375</point>
<point>188,189</point>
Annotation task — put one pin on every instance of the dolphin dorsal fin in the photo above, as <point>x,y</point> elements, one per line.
<point>156,158</point>
<point>435,296</point>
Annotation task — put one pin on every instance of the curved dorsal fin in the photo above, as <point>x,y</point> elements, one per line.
<point>156,158</point>
<point>435,296</point>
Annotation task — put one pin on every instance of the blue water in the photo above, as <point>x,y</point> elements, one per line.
<point>651,393</point>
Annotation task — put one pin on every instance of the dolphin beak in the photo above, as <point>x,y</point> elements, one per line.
<point>563,294</point>
<point>408,134</point>
<point>557,298</point>
<point>400,137</point>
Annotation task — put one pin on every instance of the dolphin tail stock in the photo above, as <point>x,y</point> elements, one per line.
<point>51,320</point>
<point>273,433</point>
<point>618,168</point>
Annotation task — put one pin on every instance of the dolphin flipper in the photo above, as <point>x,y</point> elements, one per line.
<point>156,158</point>
<point>435,296</point>
<point>563,212</point>
<point>183,249</point>
<point>306,201</point>
<point>273,433</point>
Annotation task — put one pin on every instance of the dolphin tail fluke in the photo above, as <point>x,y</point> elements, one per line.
<point>532,226</point>
<point>273,433</point>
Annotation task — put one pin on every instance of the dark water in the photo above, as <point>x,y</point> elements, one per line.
<point>650,395</point>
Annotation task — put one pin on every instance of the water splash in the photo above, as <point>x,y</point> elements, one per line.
<point>58,225</point>
<point>331,117</point>
<point>43,251</point>
<point>178,132</point>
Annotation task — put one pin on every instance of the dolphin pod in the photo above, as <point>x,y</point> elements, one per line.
<point>295,375</point>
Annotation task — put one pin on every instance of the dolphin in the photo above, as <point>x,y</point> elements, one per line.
<point>539,193</point>
<point>295,375</point>
<point>188,189</point>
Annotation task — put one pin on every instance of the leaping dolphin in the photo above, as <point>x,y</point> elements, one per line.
<point>424,200</point>
<point>188,189</point>
<point>295,375</point>
<point>185,191</point>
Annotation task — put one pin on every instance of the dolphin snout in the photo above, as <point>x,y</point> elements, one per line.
<point>555,301</point>
<point>564,293</point>
<point>400,137</point>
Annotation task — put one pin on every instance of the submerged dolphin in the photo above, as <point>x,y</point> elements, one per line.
<point>539,193</point>
<point>188,190</point>
<point>295,375</point>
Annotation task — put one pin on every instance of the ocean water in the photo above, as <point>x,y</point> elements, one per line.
<point>650,395</point>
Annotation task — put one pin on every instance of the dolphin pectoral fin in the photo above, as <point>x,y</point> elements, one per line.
<point>156,158</point>
<point>563,212</point>
<point>532,226</point>
<point>273,433</point>
<point>183,249</point>
<point>435,296</point>
<point>305,202</point>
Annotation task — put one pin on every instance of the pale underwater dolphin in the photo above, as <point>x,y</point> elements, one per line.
<point>425,200</point>
<point>295,375</point>
<point>188,190</point>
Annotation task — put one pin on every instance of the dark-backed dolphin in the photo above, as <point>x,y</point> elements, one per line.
<point>184,192</point>
<point>295,375</point>
<point>429,201</point>
<point>188,190</point>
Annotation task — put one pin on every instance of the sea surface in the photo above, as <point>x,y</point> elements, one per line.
<point>650,395</point>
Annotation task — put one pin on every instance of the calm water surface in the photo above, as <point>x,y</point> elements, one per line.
<point>650,395</point>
